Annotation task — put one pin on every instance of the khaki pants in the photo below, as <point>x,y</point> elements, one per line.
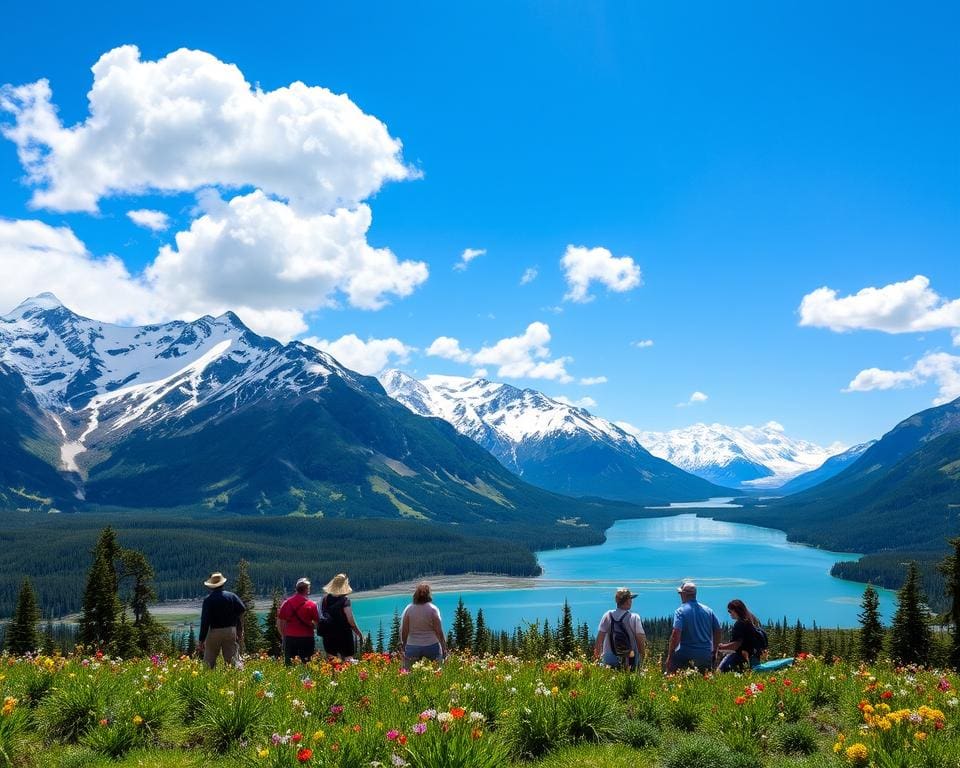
<point>222,639</point>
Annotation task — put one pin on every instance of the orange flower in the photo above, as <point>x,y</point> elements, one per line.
<point>457,712</point>
<point>304,754</point>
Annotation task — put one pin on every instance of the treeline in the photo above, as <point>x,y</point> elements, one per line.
<point>54,552</point>
<point>887,570</point>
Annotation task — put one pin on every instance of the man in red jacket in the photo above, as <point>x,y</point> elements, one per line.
<point>297,621</point>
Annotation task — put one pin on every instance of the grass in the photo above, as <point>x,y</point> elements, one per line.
<point>489,712</point>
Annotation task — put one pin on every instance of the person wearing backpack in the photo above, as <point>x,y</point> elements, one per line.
<point>340,632</point>
<point>621,641</point>
<point>296,620</point>
<point>748,641</point>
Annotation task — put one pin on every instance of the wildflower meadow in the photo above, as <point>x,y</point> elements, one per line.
<point>92,710</point>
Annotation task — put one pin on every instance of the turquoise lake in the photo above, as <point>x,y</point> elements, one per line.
<point>773,577</point>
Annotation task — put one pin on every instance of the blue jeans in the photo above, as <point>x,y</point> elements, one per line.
<point>412,653</point>
<point>612,660</point>
<point>735,662</point>
<point>702,660</point>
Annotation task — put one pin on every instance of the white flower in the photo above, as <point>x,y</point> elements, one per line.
<point>444,717</point>
<point>476,716</point>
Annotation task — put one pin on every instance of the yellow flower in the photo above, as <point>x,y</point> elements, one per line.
<point>919,735</point>
<point>318,736</point>
<point>263,753</point>
<point>404,699</point>
<point>554,690</point>
<point>9,704</point>
<point>837,747</point>
<point>137,720</point>
<point>857,753</point>
<point>674,698</point>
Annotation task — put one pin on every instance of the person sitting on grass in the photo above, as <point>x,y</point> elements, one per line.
<point>421,629</point>
<point>696,633</point>
<point>744,646</point>
<point>621,641</point>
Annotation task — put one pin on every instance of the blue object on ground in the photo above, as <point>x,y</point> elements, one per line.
<point>774,664</point>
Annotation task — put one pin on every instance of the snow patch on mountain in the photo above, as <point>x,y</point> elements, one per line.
<point>754,457</point>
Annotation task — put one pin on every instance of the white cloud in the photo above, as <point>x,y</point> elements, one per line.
<point>583,266</point>
<point>189,120</point>
<point>529,275</point>
<point>154,220</point>
<point>956,338</point>
<point>468,255</point>
<point>938,367</point>
<point>589,381</point>
<point>906,307</point>
<point>259,253</point>
<point>516,357</point>
<point>449,349</point>
<point>642,343</point>
<point>35,257</point>
<point>696,397</point>
<point>368,357</point>
<point>583,402</point>
<point>480,373</point>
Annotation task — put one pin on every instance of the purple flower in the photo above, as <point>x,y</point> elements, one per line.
<point>419,728</point>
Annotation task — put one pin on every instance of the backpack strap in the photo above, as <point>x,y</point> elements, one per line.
<point>296,612</point>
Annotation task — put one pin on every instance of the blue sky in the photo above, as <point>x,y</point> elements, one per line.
<point>737,157</point>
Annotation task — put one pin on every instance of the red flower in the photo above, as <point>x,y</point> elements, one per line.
<point>457,712</point>
<point>886,695</point>
<point>740,700</point>
<point>297,737</point>
<point>304,754</point>
<point>402,739</point>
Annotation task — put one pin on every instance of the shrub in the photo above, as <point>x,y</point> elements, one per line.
<point>684,715</point>
<point>592,715</point>
<point>796,738</point>
<point>640,734</point>
<point>113,740</point>
<point>534,730</point>
<point>228,718</point>
<point>700,752</point>
<point>74,708</point>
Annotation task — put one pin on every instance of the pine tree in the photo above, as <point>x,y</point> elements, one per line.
<point>798,639</point>
<point>22,636</point>
<point>911,638</point>
<point>871,628</point>
<point>462,627</point>
<point>272,641</point>
<point>191,642</point>
<point>380,638</point>
<point>481,636</point>
<point>566,640</point>
<point>148,634</point>
<point>367,643</point>
<point>48,644</point>
<point>583,639</point>
<point>252,633</point>
<point>950,568</point>
<point>547,637</point>
<point>101,609</point>
<point>395,632</point>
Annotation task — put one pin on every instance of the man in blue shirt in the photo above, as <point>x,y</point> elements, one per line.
<point>696,633</point>
<point>221,623</point>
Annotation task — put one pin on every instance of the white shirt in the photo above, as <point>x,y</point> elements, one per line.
<point>633,626</point>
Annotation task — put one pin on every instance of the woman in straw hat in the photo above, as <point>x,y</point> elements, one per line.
<point>341,630</point>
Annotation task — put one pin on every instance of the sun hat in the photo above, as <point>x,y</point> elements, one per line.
<point>216,579</point>
<point>687,588</point>
<point>301,581</point>
<point>623,594</point>
<point>338,585</point>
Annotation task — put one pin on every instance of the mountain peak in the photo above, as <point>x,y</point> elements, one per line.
<point>39,303</point>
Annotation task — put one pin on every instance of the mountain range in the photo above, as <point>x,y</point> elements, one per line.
<point>549,443</point>
<point>208,416</point>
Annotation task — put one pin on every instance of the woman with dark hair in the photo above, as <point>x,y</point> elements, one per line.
<point>745,642</point>
<point>421,631</point>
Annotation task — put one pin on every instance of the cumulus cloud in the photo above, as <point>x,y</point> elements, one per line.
<point>189,120</point>
<point>468,255</point>
<point>516,357</point>
<point>696,397</point>
<point>583,402</point>
<point>905,307</point>
<point>260,253</point>
<point>529,275</point>
<point>583,266</point>
<point>589,381</point>
<point>939,367</point>
<point>368,357</point>
<point>153,220</point>
<point>642,343</point>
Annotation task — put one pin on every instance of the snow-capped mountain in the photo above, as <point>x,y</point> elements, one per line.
<point>208,416</point>
<point>830,468</point>
<point>739,457</point>
<point>548,443</point>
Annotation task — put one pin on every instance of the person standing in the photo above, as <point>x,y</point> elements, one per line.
<point>421,630</point>
<point>297,619</point>
<point>221,623</point>
<point>696,633</point>
<point>621,641</point>
<point>341,632</point>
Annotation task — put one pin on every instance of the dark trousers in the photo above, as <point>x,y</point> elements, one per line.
<point>293,647</point>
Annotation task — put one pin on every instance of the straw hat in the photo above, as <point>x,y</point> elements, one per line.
<point>338,585</point>
<point>216,580</point>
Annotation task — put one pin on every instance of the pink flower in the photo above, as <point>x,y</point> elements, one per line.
<point>392,735</point>
<point>419,728</point>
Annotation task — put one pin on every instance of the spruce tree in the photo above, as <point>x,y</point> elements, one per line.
<point>950,568</point>
<point>394,632</point>
<point>367,643</point>
<point>481,637</point>
<point>252,633</point>
<point>871,628</point>
<point>462,627</point>
<point>380,638</point>
<point>798,639</point>
<point>272,641</point>
<point>148,634</point>
<point>566,640</point>
<point>48,644</point>
<point>101,609</point>
<point>191,642</point>
<point>911,638</point>
<point>22,635</point>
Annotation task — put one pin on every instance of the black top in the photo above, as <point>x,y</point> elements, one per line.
<point>220,609</point>
<point>744,632</point>
<point>339,636</point>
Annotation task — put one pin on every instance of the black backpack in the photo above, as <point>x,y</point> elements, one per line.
<point>620,636</point>
<point>760,641</point>
<point>325,621</point>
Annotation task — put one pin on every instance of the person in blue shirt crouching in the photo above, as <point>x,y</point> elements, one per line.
<point>696,633</point>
